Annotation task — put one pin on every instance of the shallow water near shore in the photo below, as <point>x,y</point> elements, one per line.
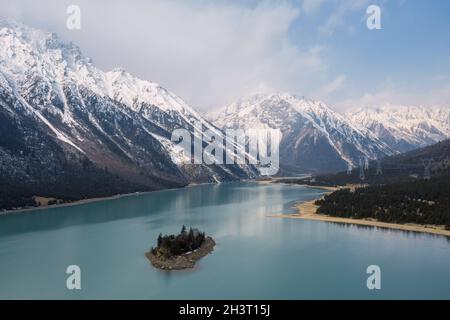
<point>256,257</point>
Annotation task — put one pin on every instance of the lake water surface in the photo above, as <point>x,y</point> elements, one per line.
<point>256,257</point>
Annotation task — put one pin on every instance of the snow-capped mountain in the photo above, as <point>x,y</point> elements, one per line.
<point>63,118</point>
<point>405,127</point>
<point>315,138</point>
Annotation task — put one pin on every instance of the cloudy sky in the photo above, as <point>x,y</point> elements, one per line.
<point>213,52</point>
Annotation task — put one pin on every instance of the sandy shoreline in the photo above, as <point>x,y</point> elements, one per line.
<point>265,182</point>
<point>92,200</point>
<point>307,211</point>
<point>332,189</point>
<point>84,201</point>
<point>70,204</point>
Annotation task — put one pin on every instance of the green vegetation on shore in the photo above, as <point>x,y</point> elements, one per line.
<point>407,167</point>
<point>422,202</point>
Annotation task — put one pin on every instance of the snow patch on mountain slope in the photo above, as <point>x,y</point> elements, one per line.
<point>59,135</point>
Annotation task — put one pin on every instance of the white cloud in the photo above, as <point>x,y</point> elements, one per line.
<point>338,16</point>
<point>312,6</point>
<point>389,95</point>
<point>332,86</point>
<point>213,52</point>
<point>208,52</point>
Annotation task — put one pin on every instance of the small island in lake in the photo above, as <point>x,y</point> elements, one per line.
<point>181,251</point>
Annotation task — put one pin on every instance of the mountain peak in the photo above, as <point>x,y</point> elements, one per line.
<point>315,138</point>
<point>37,39</point>
<point>27,51</point>
<point>6,22</point>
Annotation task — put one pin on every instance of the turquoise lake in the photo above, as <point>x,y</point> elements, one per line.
<point>256,256</point>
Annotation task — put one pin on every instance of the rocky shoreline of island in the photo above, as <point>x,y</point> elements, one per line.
<point>182,251</point>
<point>184,261</point>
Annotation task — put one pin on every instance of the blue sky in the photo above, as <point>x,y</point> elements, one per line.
<point>213,52</point>
<point>410,55</point>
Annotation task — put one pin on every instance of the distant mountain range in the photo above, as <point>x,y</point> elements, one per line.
<point>404,128</point>
<point>317,139</point>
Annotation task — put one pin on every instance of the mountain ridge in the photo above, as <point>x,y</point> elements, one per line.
<point>310,130</point>
<point>389,129</point>
<point>404,127</point>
